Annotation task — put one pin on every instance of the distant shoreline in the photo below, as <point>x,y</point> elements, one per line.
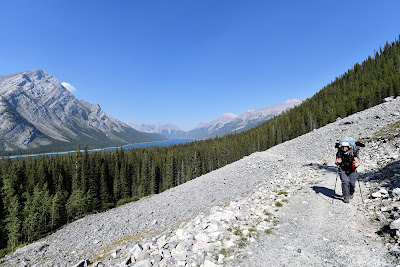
<point>98,149</point>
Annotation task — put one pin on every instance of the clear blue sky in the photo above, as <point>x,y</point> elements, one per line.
<point>190,61</point>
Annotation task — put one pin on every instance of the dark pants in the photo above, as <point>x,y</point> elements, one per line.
<point>349,179</point>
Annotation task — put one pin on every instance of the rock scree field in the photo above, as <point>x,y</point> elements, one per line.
<point>272,208</point>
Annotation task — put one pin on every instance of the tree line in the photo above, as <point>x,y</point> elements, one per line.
<point>38,195</point>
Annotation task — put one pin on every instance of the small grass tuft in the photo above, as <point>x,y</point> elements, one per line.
<point>269,231</point>
<point>238,232</point>
<point>242,244</point>
<point>267,213</point>
<point>224,252</point>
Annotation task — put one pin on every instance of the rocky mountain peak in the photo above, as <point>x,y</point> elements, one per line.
<point>42,109</point>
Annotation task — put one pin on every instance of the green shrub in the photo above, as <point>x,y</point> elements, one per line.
<point>127,200</point>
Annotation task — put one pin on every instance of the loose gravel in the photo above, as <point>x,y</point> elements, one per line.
<point>304,228</point>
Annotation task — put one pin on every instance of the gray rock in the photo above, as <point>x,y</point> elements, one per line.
<point>136,250</point>
<point>178,255</point>
<point>127,261</point>
<point>396,192</point>
<point>381,218</point>
<point>395,225</point>
<point>143,263</point>
<point>202,238</point>
<point>203,246</point>
<point>144,255</point>
<point>161,242</point>
<point>99,264</point>
<point>166,254</point>
<point>394,250</point>
<point>376,195</point>
<point>172,244</point>
<point>115,253</point>
<point>83,263</point>
<point>240,217</point>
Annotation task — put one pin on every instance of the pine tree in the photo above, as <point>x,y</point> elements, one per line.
<point>76,178</point>
<point>76,205</point>
<point>58,214</point>
<point>104,188</point>
<point>13,223</point>
<point>117,183</point>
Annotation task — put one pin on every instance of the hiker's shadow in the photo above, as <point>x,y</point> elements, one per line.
<point>329,168</point>
<point>326,191</point>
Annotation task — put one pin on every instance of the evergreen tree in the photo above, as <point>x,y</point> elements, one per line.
<point>76,205</point>
<point>76,179</point>
<point>13,223</point>
<point>57,210</point>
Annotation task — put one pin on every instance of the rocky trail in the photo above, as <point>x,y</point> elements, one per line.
<point>317,229</point>
<point>272,208</point>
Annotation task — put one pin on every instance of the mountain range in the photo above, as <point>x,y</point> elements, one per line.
<point>38,112</point>
<point>226,124</point>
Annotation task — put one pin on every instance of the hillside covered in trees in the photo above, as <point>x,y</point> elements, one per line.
<point>38,195</point>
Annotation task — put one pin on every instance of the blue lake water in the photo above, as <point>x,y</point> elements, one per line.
<point>138,145</point>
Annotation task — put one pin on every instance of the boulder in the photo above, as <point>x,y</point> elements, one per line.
<point>395,225</point>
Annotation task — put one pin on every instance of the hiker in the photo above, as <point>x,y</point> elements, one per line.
<point>347,161</point>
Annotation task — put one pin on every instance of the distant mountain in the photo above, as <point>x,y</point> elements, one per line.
<point>37,113</point>
<point>227,123</point>
<point>167,130</point>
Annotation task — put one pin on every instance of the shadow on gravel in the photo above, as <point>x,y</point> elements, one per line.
<point>326,192</point>
<point>322,167</point>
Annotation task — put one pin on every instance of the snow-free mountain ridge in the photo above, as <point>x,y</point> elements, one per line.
<point>37,111</point>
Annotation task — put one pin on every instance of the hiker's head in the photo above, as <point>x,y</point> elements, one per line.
<point>345,146</point>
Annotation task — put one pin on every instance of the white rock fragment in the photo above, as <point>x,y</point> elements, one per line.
<point>376,195</point>
<point>202,238</point>
<point>395,225</point>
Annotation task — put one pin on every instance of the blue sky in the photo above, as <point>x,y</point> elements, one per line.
<point>187,61</point>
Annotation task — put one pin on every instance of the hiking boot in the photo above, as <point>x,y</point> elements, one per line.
<point>346,200</point>
<point>351,196</point>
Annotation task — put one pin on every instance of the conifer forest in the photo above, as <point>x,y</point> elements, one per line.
<point>39,195</point>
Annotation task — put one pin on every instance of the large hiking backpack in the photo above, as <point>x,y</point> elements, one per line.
<point>347,160</point>
<point>355,145</point>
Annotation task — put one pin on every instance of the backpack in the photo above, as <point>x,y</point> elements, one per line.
<point>355,145</point>
<point>347,159</point>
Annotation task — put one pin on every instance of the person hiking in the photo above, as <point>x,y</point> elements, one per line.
<point>347,162</point>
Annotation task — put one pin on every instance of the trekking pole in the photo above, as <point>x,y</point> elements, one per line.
<point>334,190</point>
<point>359,185</point>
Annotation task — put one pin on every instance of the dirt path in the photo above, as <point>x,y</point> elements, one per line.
<point>314,232</point>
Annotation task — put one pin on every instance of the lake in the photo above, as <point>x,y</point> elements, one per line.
<point>137,145</point>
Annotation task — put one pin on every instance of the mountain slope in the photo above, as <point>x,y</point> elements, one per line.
<point>222,208</point>
<point>36,111</point>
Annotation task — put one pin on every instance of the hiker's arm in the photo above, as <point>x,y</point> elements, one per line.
<point>356,162</point>
<point>338,160</point>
